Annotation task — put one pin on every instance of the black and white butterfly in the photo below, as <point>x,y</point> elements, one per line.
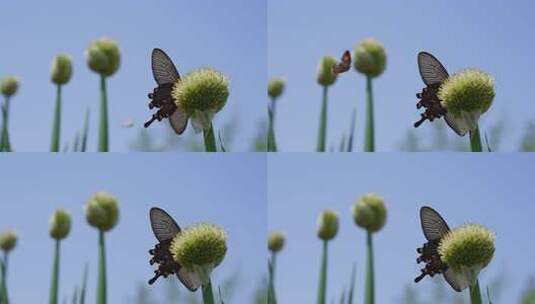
<point>435,228</point>
<point>344,64</point>
<point>433,74</point>
<point>166,76</point>
<point>165,229</point>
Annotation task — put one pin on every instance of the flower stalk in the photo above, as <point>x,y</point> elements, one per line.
<point>207,293</point>
<point>56,124</point>
<point>103,140</point>
<point>53,299</point>
<point>209,139</point>
<point>475,140</point>
<point>101,283</point>
<point>322,133</point>
<point>369,137</point>
<point>272,142</point>
<point>475,293</point>
<point>369,289</point>
<point>322,289</point>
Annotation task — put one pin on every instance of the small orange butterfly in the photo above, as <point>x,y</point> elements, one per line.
<point>344,64</point>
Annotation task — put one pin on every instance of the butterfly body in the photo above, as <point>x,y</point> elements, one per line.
<point>344,65</point>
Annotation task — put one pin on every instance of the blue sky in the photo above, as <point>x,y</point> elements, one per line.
<point>493,190</point>
<point>230,37</point>
<point>494,36</point>
<point>218,189</point>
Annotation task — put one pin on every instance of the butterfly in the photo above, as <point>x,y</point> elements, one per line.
<point>165,229</point>
<point>344,64</point>
<point>435,228</point>
<point>433,74</point>
<point>166,76</point>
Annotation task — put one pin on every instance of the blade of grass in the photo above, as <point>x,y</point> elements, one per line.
<point>221,144</point>
<point>76,144</point>
<point>207,293</point>
<point>322,288</point>
<point>475,294</point>
<point>369,138</point>
<point>220,296</point>
<point>352,285</point>
<point>75,296</point>
<point>53,298</point>
<point>101,284</point>
<point>369,292</point>
<point>84,285</point>
<point>56,123</point>
<point>209,139</point>
<point>103,140</point>
<point>342,147</point>
<point>322,132</point>
<point>86,131</point>
<point>352,131</point>
<point>272,143</point>
<point>475,140</point>
<point>488,295</point>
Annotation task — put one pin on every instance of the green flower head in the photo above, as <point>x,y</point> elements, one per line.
<point>200,248</point>
<point>369,212</point>
<point>8,240</point>
<point>370,58</point>
<point>326,77</point>
<point>467,250</point>
<point>60,224</point>
<point>103,56</point>
<point>327,225</point>
<point>102,211</point>
<point>469,91</point>
<point>61,69</point>
<point>276,242</point>
<point>9,86</point>
<point>276,87</point>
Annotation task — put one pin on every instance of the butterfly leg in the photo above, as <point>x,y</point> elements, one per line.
<point>156,276</point>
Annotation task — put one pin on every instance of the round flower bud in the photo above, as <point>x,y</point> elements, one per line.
<point>326,77</point>
<point>370,58</point>
<point>203,90</point>
<point>60,224</point>
<point>102,211</point>
<point>8,240</point>
<point>469,91</point>
<point>327,225</point>
<point>369,212</point>
<point>276,87</point>
<point>103,56</point>
<point>9,86</point>
<point>467,250</point>
<point>276,242</point>
<point>61,69</point>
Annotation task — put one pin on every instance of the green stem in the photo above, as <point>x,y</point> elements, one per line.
<point>86,131</point>
<point>272,297</point>
<point>5,145</point>
<point>55,277</point>
<point>272,143</point>
<point>322,133</point>
<point>322,288</point>
<point>369,296</point>
<point>369,136</point>
<point>475,140</point>
<point>209,139</point>
<point>101,284</point>
<point>103,127</point>
<point>56,124</point>
<point>475,294</point>
<point>207,294</point>
<point>5,297</point>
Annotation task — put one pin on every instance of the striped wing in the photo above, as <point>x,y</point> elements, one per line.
<point>163,68</point>
<point>457,125</point>
<point>456,282</point>
<point>433,225</point>
<point>189,279</point>
<point>163,225</point>
<point>178,121</point>
<point>431,70</point>
<point>344,64</point>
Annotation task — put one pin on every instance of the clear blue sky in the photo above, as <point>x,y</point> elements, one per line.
<point>494,36</point>
<point>228,190</point>
<point>493,190</point>
<point>230,37</point>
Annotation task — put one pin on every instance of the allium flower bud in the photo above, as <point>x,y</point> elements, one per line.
<point>327,225</point>
<point>60,224</point>
<point>200,248</point>
<point>467,250</point>
<point>276,87</point>
<point>276,242</point>
<point>469,92</point>
<point>326,77</point>
<point>8,240</point>
<point>103,56</point>
<point>61,69</point>
<point>369,212</point>
<point>9,86</point>
<point>370,58</point>
<point>102,211</point>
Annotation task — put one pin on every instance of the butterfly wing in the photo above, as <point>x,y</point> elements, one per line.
<point>163,225</point>
<point>456,282</point>
<point>344,64</point>
<point>457,125</point>
<point>433,225</point>
<point>431,70</point>
<point>163,68</point>
<point>178,121</point>
<point>189,279</point>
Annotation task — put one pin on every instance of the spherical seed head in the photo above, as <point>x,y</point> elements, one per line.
<point>276,87</point>
<point>327,225</point>
<point>203,245</point>
<point>470,91</point>
<point>8,240</point>
<point>60,224</point>
<point>370,58</point>
<point>369,212</point>
<point>202,90</point>
<point>326,77</point>
<point>61,69</point>
<point>276,242</point>
<point>9,86</point>
<point>469,248</point>
<point>102,211</point>
<point>103,56</point>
